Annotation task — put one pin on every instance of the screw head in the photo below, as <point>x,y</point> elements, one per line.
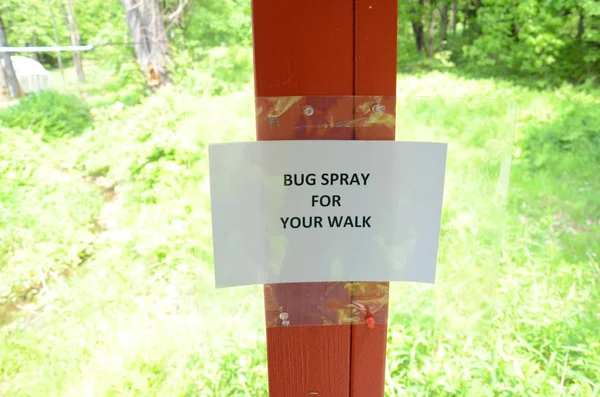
<point>378,109</point>
<point>284,316</point>
<point>308,110</point>
<point>285,323</point>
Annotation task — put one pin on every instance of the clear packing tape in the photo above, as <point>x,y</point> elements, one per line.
<point>479,133</point>
<point>325,117</point>
<point>335,303</point>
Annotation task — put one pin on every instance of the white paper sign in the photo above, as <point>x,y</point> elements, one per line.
<point>310,211</point>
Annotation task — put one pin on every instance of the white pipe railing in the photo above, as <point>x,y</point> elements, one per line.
<point>46,49</point>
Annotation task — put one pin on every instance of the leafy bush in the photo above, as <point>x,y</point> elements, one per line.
<point>46,214</point>
<point>216,71</point>
<point>573,137</point>
<point>50,113</point>
<point>123,83</point>
<point>212,23</point>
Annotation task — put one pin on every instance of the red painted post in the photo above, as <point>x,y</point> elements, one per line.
<point>324,48</point>
<point>375,49</point>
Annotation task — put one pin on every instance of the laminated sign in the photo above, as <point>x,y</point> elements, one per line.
<point>312,211</point>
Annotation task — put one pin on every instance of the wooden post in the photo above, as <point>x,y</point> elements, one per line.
<point>375,73</point>
<point>324,48</point>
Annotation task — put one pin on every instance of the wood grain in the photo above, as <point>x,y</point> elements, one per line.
<point>374,74</point>
<point>304,48</point>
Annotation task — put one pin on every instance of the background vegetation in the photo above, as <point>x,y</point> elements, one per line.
<point>106,282</point>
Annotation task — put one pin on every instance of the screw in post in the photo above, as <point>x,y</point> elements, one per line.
<point>273,122</point>
<point>378,109</point>
<point>308,110</point>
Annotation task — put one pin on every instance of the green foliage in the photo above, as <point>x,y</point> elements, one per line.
<point>100,22</point>
<point>214,23</point>
<point>519,37</point>
<point>122,82</point>
<point>550,41</point>
<point>32,23</point>
<point>50,113</point>
<point>573,138</point>
<point>214,71</point>
<point>39,236</point>
<point>29,22</point>
<point>210,42</point>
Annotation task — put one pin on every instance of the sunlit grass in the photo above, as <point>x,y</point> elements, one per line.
<point>141,317</point>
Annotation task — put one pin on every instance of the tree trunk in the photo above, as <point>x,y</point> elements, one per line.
<point>57,42</point>
<point>419,33</point>
<point>75,40</point>
<point>4,91</point>
<point>417,26</point>
<point>8,70</point>
<point>471,9</point>
<point>581,25</point>
<point>454,16</point>
<point>443,25</point>
<point>465,20</point>
<point>147,28</point>
<point>34,44</point>
<point>514,32</point>
<point>431,35</point>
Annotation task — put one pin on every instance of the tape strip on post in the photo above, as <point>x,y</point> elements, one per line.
<point>326,211</point>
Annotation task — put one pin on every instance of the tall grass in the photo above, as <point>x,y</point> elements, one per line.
<point>141,317</point>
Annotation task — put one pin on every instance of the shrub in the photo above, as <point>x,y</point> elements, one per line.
<point>50,113</point>
<point>573,137</point>
<point>46,215</point>
<point>215,71</point>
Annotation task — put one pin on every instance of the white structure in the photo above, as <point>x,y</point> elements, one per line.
<point>32,75</point>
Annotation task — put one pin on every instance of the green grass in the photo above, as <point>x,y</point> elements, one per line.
<point>140,316</point>
<point>105,82</point>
